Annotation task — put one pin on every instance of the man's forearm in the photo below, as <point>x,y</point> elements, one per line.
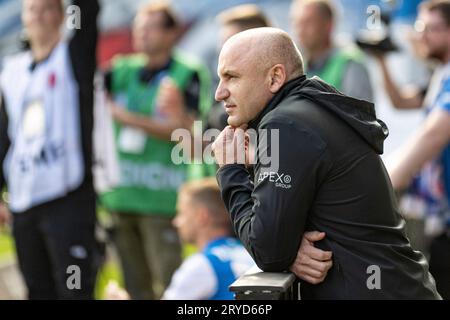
<point>398,100</point>
<point>155,128</point>
<point>236,192</point>
<point>255,228</point>
<point>424,146</point>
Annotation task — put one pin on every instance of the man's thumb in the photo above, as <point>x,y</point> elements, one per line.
<point>314,236</point>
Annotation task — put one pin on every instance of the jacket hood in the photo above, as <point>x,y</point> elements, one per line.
<point>358,114</point>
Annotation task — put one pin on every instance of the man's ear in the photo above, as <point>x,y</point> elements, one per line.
<point>277,79</point>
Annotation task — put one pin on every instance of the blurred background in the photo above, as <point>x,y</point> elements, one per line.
<point>201,39</point>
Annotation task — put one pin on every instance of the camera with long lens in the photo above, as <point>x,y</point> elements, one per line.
<point>378,38</point>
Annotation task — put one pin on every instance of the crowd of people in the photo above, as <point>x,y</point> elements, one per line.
<point>326,210</point>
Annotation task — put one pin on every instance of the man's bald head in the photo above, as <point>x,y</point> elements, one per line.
<point>266,47</point>
<point>254,65</point>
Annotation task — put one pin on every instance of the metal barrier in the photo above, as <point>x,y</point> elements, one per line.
<point>259,285</point>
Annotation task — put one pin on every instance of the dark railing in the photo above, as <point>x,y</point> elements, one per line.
<point>258,285</point>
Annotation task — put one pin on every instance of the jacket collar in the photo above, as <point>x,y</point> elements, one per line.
<point>275,101</point>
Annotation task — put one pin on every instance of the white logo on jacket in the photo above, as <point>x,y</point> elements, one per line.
<point>281,180</point>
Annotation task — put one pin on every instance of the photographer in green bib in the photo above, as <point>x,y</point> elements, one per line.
<point>313,22</point>
<point>152,93</point>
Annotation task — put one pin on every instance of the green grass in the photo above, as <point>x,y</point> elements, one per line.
<point>110,271</point>
<point>6,247</point>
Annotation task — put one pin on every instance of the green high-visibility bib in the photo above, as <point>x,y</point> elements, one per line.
<point>333,72</point>
<point>150,180</point>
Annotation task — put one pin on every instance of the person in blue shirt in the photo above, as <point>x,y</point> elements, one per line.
<point>424,162</point>
<point>202,220</point>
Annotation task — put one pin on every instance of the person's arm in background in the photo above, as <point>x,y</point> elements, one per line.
<point>177,117</point>
<point>425,145</point>
<point>4,146</point>
<point>83,55</point>
<point>180,109</point>
<point>401,99</point>
<point>83,44</point>
<point>270,220</point>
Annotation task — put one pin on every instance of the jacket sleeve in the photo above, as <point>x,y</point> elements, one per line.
<point>270,216</point>
<point>83,45</point>
<point>4,140</point>
<point>83,55</point>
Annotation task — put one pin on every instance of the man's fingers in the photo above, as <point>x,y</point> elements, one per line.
<point>223,145</point>
<point>239,134</point>
<point>314,236</point>
<point>239,146</point>
<point>320,266</point>
<point>306,265</point>
<point>312,264</point>
<point>216,144</point>
<point>229,147</point>
<point>220,138</point>
<point>228,134</point>
<point>309,272</point>
<point>317,254</point>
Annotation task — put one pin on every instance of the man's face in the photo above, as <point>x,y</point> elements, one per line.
<point>186,220</point>
<point>312,29</point>
<point>435,34</point>
<point>42,18</point>
<point>244,84</point>
<point>150,35</point>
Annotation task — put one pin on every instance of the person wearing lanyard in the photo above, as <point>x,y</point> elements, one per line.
<point>343,67</point>
<point>46,119</point>
<point>151,94</point>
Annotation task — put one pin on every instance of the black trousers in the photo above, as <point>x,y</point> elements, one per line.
<point>56,247</point>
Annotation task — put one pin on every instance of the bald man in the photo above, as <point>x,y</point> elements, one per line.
<point>320,170</point>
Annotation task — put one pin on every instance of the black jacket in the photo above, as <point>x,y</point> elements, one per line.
<point>331,179</point>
